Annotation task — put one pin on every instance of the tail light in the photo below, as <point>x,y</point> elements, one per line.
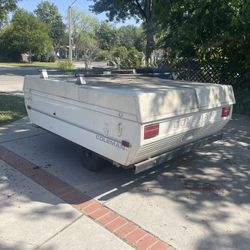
<point>151,131</point>
<point>125,144</point>
<point>225,112</point>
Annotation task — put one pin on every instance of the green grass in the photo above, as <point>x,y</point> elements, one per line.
<point>33,64</point>
<point>11,108</point>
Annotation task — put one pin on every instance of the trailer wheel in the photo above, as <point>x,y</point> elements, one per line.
<point>92,161</point>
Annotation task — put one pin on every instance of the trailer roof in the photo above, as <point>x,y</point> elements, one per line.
<point>132,82</point>
<point>147,98</point>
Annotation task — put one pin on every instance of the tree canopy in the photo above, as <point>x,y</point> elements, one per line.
<point>129,36</point>
<point>84,39</point>
<point>107,36</point>
<point>141,9</point>
<point>210,31</point>
<point>81,21</point>
<point>5,7</point>
<point>132,36</point>
<point>26,34</point>
<point>48,13</point>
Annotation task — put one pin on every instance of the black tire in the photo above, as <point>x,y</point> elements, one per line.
<point>92,161</point>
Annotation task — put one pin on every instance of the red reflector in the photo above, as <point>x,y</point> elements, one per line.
<point>225,112</point>
<point>151,131</point>
<point>125,144</point>
<point>28,107</point>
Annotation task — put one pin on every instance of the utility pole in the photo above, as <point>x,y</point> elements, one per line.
<point>70,30</point>
<point>70,34</point>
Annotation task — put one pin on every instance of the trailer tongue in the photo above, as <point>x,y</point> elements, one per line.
<point>130,120</point>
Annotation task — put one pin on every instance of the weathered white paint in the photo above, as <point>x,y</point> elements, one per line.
<point>106,110</point>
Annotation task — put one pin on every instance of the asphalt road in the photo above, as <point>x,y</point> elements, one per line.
<point>11,79</point>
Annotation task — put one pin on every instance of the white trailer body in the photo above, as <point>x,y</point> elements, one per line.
<point>128,119</point>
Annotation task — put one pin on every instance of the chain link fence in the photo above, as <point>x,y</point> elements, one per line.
<point>205,72</point>
<point>217,73</point>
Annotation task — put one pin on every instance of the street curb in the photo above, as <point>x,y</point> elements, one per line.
<point>117,224</point>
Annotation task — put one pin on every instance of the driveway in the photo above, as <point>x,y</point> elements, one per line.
<point>32,218</point>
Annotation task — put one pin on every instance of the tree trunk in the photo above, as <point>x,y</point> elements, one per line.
<point>150,42</point>
<point>150,29</point>
<point>29,56</point>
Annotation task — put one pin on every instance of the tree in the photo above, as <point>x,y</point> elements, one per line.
<point>27,34</point>
<point>84,39</point>
<point>5,7</point>
<point>48,13</point>
<point>87,47</point>
<point>107,36</point>
<point>83,22</point>
<point>140,9</point>
<point>131,37</point>
<point>210,31</point>
<point>7,51</point>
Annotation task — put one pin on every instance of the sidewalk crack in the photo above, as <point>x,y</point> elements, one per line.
<point>54,235</point>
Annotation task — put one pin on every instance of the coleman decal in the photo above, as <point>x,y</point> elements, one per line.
<point>110,141</point>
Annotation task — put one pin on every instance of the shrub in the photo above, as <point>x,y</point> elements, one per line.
<point>134,59</point>
<point>52,58</point>
<point>111,63</point>
<point>124,58</point>
<point>35,58</point>
<point>242,96</point>
<point>44,58</point>
<point>65,65</point>
<point>119,56</point>
<point>102,55</point>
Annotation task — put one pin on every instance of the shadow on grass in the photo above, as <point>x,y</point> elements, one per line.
<point>12,107</point>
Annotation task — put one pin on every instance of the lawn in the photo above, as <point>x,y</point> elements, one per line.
<point>33,64</point>
<point>11,108</point>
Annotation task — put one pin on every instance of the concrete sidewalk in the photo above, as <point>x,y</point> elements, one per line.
<point>33,218</point>
<point>199,202</point>
<point>81,231</point>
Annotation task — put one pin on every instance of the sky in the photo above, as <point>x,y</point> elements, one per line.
<point>30,5</point>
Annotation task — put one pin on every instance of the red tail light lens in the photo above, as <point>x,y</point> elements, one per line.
<point>225,112</point>
<point>151,131</point>
<point>125,144</point>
